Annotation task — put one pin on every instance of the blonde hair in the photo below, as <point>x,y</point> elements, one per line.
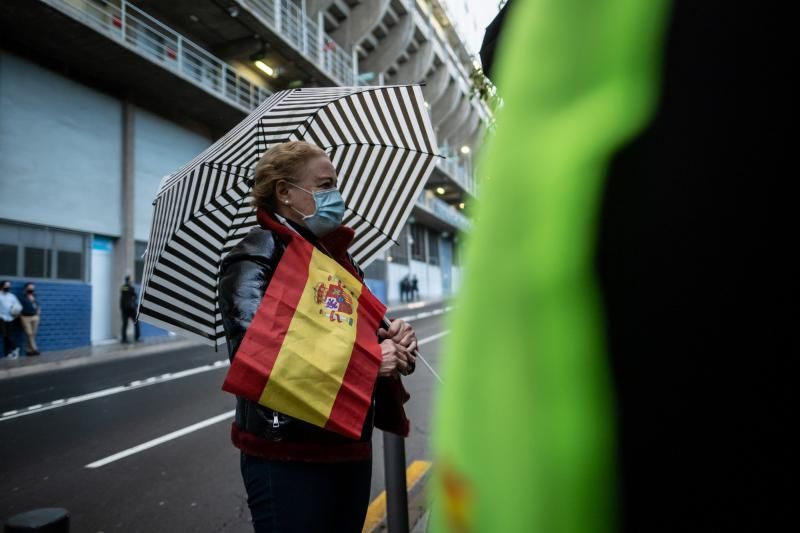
<point>282,161</point>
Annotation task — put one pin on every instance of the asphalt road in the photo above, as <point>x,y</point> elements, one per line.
<point>188,483</point>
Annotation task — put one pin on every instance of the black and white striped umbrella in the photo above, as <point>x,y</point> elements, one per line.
<point>381,142</point>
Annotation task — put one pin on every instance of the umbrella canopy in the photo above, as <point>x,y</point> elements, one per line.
<point>380,140</point>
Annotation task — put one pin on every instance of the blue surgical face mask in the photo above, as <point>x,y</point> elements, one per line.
<point>328,213</point>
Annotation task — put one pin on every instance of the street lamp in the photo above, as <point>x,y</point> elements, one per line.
<point>465,150</point>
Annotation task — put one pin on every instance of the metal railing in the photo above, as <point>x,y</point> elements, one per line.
<point>458,173</point>
<point>307,36</point>
<point>138,31</point>
<point>428,201</point>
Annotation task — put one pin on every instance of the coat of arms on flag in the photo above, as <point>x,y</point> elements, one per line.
<point>312,349</point>
<point>336,300</point>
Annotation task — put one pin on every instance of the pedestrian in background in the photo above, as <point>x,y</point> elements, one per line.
<point>9,311</point>
<point>30,317</point>
<point>405,288</point>
<point>127,306</point>
<point>414,288</point>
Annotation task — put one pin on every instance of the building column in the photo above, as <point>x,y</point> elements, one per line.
<point>414,70</point>
<point>460,114</point>
<point>359,22</point>
<point>466,130</point>
<point>445,105</point>
<point>125,259</point>
<point>435,85</point>
<point>391,47</point>
<point>418,64</point>
<point>315,6</point>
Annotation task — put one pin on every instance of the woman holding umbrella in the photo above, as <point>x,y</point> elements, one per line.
<point>298,476</point>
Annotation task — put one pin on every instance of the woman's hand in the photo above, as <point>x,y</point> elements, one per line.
<point>395,358</point>
<point>403,334</point>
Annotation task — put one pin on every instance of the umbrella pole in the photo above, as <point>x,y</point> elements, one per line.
<point>386,324</point>
<point>394,468</point>
<point>394,463</point>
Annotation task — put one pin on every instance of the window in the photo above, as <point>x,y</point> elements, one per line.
<point>69,265</point>
<point>39,252</point>
<point>433,247</point>
<point>36,262</point>
<point>139,249</point>
<point>8,260</point>
<point>69,255</point>
<point>399,252</point>
<point>417,242</point>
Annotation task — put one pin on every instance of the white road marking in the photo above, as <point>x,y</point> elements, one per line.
<point>426,340</point>
<point>161,440</point>
<point>432,338</point>
<point>425,314</point>
<point>137,384</point>
<point>199,425</point>
<point>155,380</point>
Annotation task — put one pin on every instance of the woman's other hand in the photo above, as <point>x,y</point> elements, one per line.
<point>395,358</point>
<point>403,334</point>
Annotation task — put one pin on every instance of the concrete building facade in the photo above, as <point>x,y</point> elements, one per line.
<point>100,99</point>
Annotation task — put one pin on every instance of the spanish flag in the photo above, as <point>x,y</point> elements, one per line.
<point>311,350</point>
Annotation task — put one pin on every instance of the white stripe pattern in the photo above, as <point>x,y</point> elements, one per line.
<point>380,140</point>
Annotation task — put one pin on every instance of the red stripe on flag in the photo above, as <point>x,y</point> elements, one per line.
<point>252,365</point>
<point>353,400</point>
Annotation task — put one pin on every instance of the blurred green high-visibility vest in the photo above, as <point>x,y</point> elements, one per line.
<point>523,429</point>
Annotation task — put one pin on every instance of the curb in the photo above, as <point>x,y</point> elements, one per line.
<point>84,360</point>
<point>398,307</point>
<point>417,505</point>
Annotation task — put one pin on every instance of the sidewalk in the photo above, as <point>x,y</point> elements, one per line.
<point>85,355</point>
<point>398,309</point>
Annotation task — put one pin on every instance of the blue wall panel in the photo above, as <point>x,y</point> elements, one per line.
<point>149,330</point>
<point>378,288</point>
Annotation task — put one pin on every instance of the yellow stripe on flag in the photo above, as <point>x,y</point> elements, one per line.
<point>315,353</point>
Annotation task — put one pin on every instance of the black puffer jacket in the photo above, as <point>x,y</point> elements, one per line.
<point>245,273</point>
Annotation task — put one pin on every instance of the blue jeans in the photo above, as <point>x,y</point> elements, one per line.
<point>288,496</point>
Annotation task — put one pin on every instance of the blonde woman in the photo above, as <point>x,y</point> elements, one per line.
<point>300,477</point>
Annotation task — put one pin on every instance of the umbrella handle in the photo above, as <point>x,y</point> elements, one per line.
<point>386,325</point>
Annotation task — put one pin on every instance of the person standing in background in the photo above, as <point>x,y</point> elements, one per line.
<point>30,317</point>
<point>9,310</point>
<point>127,306</point>
<point>405,289</point>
